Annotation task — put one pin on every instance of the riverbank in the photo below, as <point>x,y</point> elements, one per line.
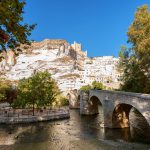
<point>47,115</point>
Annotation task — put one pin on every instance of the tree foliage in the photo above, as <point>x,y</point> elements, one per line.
<point>13,31</point>
<point>37,91</point>
<point>62,100</point>
<point>98,85</point>
<point>4,88</point>
<point>123,58</point>
<point>86,87</point>
<point>136,64</point>
<point>95,85</point>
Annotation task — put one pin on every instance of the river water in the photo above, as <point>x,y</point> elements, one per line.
<point>76,133</point>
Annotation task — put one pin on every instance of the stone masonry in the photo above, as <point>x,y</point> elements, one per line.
<point>116,106</point>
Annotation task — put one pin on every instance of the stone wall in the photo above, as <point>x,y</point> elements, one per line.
<point>84,106</point>
<point>37,118</point>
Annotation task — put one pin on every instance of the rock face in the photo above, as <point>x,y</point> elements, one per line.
<point>8,60</point>
<point>68,64</point>
<point>61,46</point>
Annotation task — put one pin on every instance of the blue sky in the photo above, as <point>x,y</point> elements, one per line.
<point>99,25</point>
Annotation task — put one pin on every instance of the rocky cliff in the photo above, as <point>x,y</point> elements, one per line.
<point>68,64</point>
<point>56,56</point>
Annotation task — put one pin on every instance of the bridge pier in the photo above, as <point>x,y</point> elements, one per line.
<point>87,107</point>
<point>90,107</point>
<point>107,113</point>
<point>84,106</point>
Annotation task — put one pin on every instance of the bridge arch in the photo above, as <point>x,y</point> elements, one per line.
<point>95,105</point>
<point>68,96</point>
<point>120,115</point>
<point>74,99</point>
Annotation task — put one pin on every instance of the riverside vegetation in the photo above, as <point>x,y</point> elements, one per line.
<point>38,91</point>
<point>134,61</point>
<point>95,85</point>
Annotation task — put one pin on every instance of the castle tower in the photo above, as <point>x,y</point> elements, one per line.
<point>76,46</point>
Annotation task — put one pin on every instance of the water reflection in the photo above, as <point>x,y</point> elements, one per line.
<point>78,132</point>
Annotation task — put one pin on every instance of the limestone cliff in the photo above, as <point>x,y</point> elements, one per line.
<point>56,56</point>
<point>61,45</point>
<point>68,64</point>
<point>8,60</point>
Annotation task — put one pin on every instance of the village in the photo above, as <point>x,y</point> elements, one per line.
<point>69,65</point>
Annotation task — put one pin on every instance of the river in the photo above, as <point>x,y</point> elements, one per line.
<point>76,133</point>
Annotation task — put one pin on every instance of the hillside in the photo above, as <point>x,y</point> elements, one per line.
<point>68,64</point>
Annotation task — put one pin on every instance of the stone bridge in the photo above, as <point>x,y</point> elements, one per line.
<point>115,106</point>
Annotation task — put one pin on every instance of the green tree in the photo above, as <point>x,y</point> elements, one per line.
<point>123,58</point>
<point>95,85</point>
<point>136,67</point>
<point>13,31</point>
<point>62,100</point>
<point>86,88</point>
<point>37,91</point>
<point>4,87</point>
<point>98,85</point>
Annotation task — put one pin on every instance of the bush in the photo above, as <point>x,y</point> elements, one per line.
<point>5,86</point>
<point>86,88</point>
<point>95,85</point>
<point>61,100</point>
<point>98,85</point>
<point>64,101</point>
